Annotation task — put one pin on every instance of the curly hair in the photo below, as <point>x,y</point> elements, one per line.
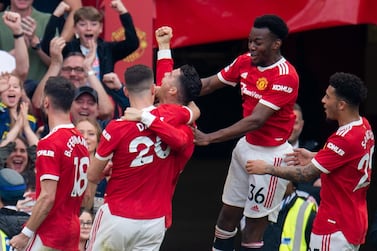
<point>349,87</point>
<point>275,24</point>
<point>190,84</point>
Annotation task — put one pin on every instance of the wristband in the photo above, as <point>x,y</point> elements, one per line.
<point>91,73</point>
<point>36,47</point>
<point>147,118</point>
<point>161,54</point>
<point>15,36</point>
<point>26,231</point>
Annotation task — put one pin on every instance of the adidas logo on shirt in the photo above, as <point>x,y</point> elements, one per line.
<point>255,208</point>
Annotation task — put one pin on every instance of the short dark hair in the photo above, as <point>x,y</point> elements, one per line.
<point>274,23</point>
<point>349,87</point>
<point>190,84</point>
<point>85,210</point>
<point>73,53</point>
<point>61,92</point>
<point>138,78</point>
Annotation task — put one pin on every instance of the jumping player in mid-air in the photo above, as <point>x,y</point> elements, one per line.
<point>269,87</point>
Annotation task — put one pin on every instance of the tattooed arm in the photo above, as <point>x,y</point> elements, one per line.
<point>294,173</point>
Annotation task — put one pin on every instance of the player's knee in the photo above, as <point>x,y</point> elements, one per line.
<point>224,240</point>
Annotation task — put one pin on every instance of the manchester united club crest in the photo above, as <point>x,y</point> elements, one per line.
<point>262,84</point>
<point>118,35</point>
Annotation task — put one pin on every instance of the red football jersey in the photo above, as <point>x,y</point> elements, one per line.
<point>62,156</point>
<point>275,86</point>
<point>168,113</point>
<point>181,158</point>
<point>139,186</point>
<point>164,65</point>
<point>345,162</point>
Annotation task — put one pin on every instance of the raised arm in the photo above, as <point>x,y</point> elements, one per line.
<point>29,25</point>
<point>20,52</point>
<point>124,48</point>
<point>4,84</point>
<point>106,109</point>
<point>67,32</point>
<point>31,137</point>
<point>165,62</point>
<point>52,25</point>
<point>56,46</point>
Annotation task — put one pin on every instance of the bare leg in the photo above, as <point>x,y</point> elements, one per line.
<point>254,231</point>
<point>229,217</point>
<point>226,228</point>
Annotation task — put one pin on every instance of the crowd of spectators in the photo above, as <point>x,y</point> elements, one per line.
<point>40,40</point>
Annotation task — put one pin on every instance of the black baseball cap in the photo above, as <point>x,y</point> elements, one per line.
<point>86,89</point>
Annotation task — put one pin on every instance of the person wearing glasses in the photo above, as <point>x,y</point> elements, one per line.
<point>86,223</point>
<point>76,68</point>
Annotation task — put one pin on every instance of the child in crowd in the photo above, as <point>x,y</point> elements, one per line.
<point>88,25</point>
<point>11,99</point>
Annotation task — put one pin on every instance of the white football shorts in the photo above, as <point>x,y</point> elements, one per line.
<point>259,195</point>
<point>111,232</point>
<point>328,242</point>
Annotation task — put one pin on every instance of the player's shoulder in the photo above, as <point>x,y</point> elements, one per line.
<point>168,107</point>
<point>286,69</point>
<point>116,124</point>
<point>285,74</point>
<point>348,137</point>
<point>366,123</point>
<point>244,58</point>
<point>360,126</point>
<point>60,131</point>
<point>241,60</point>
<point>120,127</point>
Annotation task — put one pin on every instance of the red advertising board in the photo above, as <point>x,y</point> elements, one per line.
<point>142,12</point>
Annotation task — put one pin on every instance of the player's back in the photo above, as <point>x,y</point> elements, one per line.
<point>62,156</point>
<point>138,184</point>
<point>178,116</point>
